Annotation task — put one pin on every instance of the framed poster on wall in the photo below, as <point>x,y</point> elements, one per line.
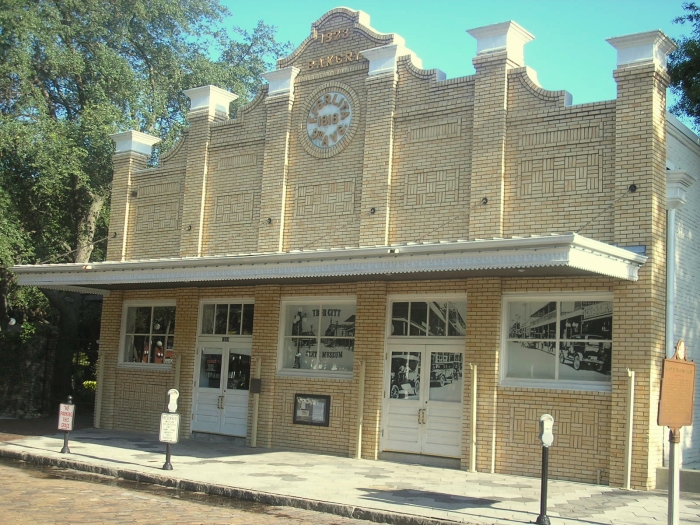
<point>312,410</point>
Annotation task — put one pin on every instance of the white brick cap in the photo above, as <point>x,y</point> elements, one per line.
<point>281,80</point>
<point>383,59</point>
<point>639,48</point>
<point>677,184</point>
<point>134,141</point>
<point>496,37</point>
<point>210,97</point>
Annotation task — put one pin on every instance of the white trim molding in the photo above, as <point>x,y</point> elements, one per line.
<point>564,254</point>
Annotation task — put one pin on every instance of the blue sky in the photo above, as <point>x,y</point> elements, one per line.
<point>569,51</point>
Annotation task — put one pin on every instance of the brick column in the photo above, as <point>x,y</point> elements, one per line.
<point>110,331</point>
<point>265,334</point>
<point>482,350</point>
<point>379,143</point>
<point>369,347</point>
<point>278,128</point>
<point>640,220</point>
<point>499,48</point>
<point>208,104</point>
<point>132,150</point>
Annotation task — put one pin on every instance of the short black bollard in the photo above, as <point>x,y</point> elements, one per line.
<point>168,465</point>
<point>543,519</point>
<point>66,414</point>
<point>547,438</point>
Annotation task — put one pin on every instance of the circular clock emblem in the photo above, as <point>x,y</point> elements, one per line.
<point>331,120</point>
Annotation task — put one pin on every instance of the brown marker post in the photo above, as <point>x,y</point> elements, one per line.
<point>676,406</point>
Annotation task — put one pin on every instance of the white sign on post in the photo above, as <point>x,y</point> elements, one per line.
<point>65,417</point>
<point>169,428</point>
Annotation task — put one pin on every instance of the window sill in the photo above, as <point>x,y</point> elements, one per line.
<point>549,384</point>
<point>315,374</point>
<point>151,367</point>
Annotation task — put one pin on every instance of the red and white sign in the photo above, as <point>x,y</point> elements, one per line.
<point>65,417</point>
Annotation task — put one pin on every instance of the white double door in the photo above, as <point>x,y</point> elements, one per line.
<point>222,379</point>
<point>423,391</point>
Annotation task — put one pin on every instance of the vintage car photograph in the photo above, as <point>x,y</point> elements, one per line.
<point>405,375</point>
<point>586,349</point>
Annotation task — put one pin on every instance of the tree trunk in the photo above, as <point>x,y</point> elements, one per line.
<point>86,230</point>
<point>68,306</point>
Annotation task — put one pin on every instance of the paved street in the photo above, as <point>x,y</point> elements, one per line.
<point>28,495</point>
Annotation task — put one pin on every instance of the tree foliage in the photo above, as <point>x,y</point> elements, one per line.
<point>71,73</point>
<point>684,67</point>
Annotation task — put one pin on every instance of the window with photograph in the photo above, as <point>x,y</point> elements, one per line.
<point>148,334</point>
<point>558,339</point>
<point>318,336</point>
<point>440,318</point>
<point>227,319</point>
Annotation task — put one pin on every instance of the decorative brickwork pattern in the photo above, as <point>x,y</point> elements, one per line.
<point>332,198</point>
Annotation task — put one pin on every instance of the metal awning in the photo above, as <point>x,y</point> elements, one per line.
<point>567,254</point>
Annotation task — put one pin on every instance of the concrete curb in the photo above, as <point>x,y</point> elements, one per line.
<point>266,498</point>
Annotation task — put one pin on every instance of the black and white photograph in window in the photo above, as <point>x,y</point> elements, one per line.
<point>319,336</point>
<point>569,340</point>
<point>429,318</point>
<point>149,334</point>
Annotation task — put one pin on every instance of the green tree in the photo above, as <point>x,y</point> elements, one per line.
<point>71,73</point>
<point>684,67</point>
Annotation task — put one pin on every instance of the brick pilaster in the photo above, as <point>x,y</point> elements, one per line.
<point>273,197</point>
<point>640,220</point>
<point>499,49</point>
<point>265,334</point>
<point>378,155</point>
<point>196,178</point>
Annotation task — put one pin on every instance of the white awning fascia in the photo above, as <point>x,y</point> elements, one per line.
<point>571,250</point>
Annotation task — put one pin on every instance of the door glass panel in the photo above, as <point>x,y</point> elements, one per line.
<point>208,319</point>
<point>419,318</point>
<point>210,370</point>
<point>238,371</point>
<point>445,377</point>
<point>220,320</point>
<point>248,310</point>
<point>404,380</point>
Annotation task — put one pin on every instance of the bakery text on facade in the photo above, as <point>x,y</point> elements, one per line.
<point>364,217</point>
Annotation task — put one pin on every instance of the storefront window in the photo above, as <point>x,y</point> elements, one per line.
<point>429,318</point>
<point>559,339</point>
<point>149,334</point>
<point>318,336</point>
<point>227,319</point>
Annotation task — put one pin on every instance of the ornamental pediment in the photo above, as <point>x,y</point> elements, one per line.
<point>336,41</point>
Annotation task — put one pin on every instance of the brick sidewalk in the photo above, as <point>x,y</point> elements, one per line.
<point>376,490</point>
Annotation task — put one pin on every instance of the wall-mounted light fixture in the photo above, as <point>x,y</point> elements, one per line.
<point>189,227</point>
<point>484,201</point>
<point>632,188</point>
<point>372,211</point>
<point>269,220</point>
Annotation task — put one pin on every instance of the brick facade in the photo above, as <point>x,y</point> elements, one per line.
<point>423,160</point>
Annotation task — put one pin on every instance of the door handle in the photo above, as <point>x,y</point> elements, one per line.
<point>220,402</point>
<point>423,411</point>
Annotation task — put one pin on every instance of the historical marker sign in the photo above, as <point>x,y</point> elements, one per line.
<point>66,413</point>
<point>169,428</point>
<point>677,393</point>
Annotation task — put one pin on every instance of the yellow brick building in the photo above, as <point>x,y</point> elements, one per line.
<point>372,260</point>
